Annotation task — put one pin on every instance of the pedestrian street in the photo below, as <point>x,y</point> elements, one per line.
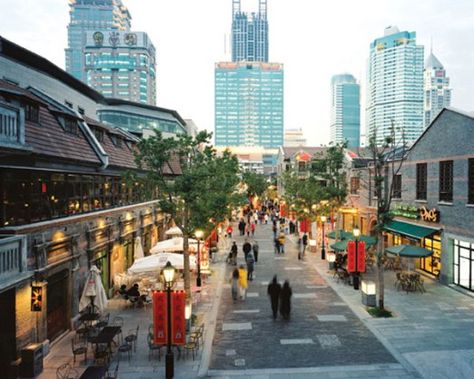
<point>322,330</point>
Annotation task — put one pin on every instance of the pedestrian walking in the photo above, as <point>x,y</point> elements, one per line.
<point>247,229</point>
<point>252,228</point>
<point>273,290</point>
<point>247,248</point>
<point>304,241</point>
<point>275,229</point>
<point>300,244</point>
<point>243,284</point>
<point>281,239</point>
<point>242,227</point>
<point>250,265</point>
<point>234,252</point>
<point>234,287</point>
<point>277,245</point>
<point>266,219</point>
<point>255,251</point>
<point>229,231</point>
<point>285,300</point>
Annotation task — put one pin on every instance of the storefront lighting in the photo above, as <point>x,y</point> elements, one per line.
<point>368,292</point>
<point>356,232</point>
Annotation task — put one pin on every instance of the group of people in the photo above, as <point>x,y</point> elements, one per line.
<point>245,228</point>
<point>280,297</point>
<point>250,255</point>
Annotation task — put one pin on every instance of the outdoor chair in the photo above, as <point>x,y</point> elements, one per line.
<point>78,348</point>
<point>125,348</point>
<point>398,281</point>
<point>153,347</point>
<point>191,345</point>
<point>65,371</point>
<point>198,335</point>
<point>118,321</point>
<point>103,321</point>
<point>112,374</point>
<point>132,337</point>
<point>101,354</point>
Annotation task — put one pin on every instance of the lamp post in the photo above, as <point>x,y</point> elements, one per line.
<point>355,279</point>
<point>323,248</point>
<point>168,274</point>
<point>199,233</point>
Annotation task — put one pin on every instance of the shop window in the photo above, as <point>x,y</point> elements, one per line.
<point>421,181</point>
<point>470,184</point>
<point>397,186</point>
<point>355,185</point>
<point>432,264</point>
<point>446,181</point>
<point>463,264</point>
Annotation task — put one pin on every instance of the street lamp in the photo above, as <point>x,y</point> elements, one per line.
<point>198,233</point>
<point>355,280</point>
<point>323,248</point>
<point>168,274</point>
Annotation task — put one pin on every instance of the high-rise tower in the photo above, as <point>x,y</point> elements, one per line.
<point>436,88</point>
<point>345,110</point>
<point>395,86</point>
<point>249,33</point>
<point>91,15</point>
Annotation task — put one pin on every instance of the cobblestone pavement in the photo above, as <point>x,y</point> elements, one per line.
<point>323,330</point>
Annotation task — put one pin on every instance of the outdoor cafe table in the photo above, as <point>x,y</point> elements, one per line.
<point>88,318</point>
<point>106,335</point>
<point>94,372</point>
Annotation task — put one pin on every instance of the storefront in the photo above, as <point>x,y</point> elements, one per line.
<point>404,233</point>
<point>98,250</point>
<point>463,273</point>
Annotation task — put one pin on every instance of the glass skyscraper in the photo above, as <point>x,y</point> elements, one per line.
<point>395,86</point>
<point>249,104</point>
<point>436,87</point>
<point>249,33</point>
<point>90,15</point>
<point>345,110</point>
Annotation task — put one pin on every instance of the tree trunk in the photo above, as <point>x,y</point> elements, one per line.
<point>380,269</point>
<point>187,273</point>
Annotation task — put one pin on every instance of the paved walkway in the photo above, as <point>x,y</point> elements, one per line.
<point>330,334</point>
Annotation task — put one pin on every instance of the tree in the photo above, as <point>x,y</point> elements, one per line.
<point>385,163</point>
<point>201,192</point>
<point>256,183</point>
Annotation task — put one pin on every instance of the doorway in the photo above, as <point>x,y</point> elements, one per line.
<point>7,330</point>
<point>57,304</point>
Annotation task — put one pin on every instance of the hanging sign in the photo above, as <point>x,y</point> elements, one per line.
<point>178,322</point>
<point>351,259</point>
<point>36,298</point>
<point>356,259</point>
<point>160,307</point>
<point>360,256</point>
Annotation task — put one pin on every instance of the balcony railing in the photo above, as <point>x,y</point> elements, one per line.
<point>12,256</point>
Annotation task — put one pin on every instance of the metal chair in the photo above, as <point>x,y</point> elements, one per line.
<point>118,321</point>
<point>191,345</point>
<point>132,338</point>
<point>114,374</point>
<point>65,371</point>
<point>152,347</point>
<point>125,348</point>
<point>102,354</point>
<point>79,348</point>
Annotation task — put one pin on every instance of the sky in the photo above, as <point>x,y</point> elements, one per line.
<point>313,39</point>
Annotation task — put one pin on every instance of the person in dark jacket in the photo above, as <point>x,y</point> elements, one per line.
<point>233,251</point>
<point>250,262</point>
<point>247,248</point>
<point>255,251</point>
<point>273,290</point>
<point>242,226</point>
<point>285,302</point>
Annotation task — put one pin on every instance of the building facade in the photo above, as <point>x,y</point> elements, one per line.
<point>121,65</point>
<point>436,89</point>
<point>345,110</point>
<point>249,104</point>
<point>395,87</point>
<point>89,15</point>
<point>294,137</point>
<point>433,200</point>
<point>249,33</point>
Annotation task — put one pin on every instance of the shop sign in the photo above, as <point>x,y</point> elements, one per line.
<point>160,320</point>
<point>36,298</point>
<point>178,322</point>
<point>406,211</point>
<point>431,215</point>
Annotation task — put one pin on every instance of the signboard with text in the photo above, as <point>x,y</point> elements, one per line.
<point>178,322</point>
<point>355,259</point>
<point>160,320</point>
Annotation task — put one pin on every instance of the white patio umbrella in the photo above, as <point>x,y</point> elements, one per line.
<point>174,231</point>
<point>138,249</point>
<point>94,292</point>
<point>154,263</point>
<point>173,245</point>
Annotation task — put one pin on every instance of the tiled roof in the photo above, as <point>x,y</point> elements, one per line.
<point>293,150</point>
<point>9,88</point>
<point>49,138</point>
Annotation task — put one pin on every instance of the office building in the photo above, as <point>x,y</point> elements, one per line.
<point>436,88</point>
<point>395,87</point>
<point>249,33</point>
<point>249,104</point>
<point>345,110</point>
<point>121,65</point>
<point>89,15</point>
<point>294,138</point>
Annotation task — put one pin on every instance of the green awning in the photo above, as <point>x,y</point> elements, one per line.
<point>341,234</point>
<point>339,246</point>
<point>410,230</point>
<point>409,251</point>
<point>342,245</point>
